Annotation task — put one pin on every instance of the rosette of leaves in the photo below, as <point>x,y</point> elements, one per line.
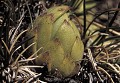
<point>60,39</point>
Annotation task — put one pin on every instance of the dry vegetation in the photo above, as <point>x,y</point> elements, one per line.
<point>101,61</point>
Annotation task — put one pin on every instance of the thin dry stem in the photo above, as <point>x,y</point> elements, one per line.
<point>101,69</point>
<point>17,39</point>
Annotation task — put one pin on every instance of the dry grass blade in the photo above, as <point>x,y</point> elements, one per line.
<point>35,77</point>
<point>13,53</point>
<point>29,66</point>
<point>15,32</point>
<point>22,53</point>
<point>35,53</point>
<point>29,13</point>
<point>27,74</point>
<point>114,32</point>
<point>101,69</point>
<point>6,47</point>
<point>118,67</point>
<point>26,60</point>
<point>111,67</point>
<point>94,64</point>
<point>17,39</point>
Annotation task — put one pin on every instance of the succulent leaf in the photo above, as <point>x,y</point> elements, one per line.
<point>68,66</point>
<point>77,50</point>
<point>65,34</point>
<point>79,5</point>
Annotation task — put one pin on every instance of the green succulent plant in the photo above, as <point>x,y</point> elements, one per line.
<point>60,40</point>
